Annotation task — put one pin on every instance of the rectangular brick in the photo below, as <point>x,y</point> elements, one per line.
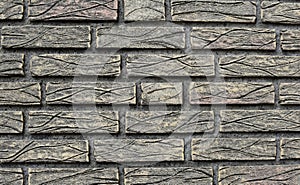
<point>260,120</point>
<point>45,36</point>
<point>161,93</point>
<point>233,149</point>
<point>289,93</point>
<point>162,176</point>
<point>63,151</point>
<point>11,9</point>
<point>11,176</point>
<point>49,10</point>
<point>263,175</point>
<point>11,64</point>
<point>141,37</point>
<point>139,150</point>
<point>169,122</point>
<point>231,93</point>
<point>290,39</point>
<point>88,122</point>
<point>233,38</point>
<point>75,65</point>
<point>214,11</point>
<point>11,122</point>
<point>90,93</point>
<point>290,148</point>
<point>71,176</point>
<point>170,65</point>
<point>20,93</point>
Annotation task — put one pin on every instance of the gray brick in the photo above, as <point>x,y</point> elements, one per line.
<point>290,40</point>
<point>11,176</point>
<point>289,93</point>
<point>11,64</point>
<point>11,9</point>
<point>11,122</point>
<point>290,148</point>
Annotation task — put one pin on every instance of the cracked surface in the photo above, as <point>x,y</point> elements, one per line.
<point>11,122</point>
<point>11,9</point>
<point>11,64</point>
<point>11,176</point>
<point>290,148</point>
<point>290,40</point>
<point>289,93</point>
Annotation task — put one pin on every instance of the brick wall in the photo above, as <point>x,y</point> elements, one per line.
<point>149,92</point>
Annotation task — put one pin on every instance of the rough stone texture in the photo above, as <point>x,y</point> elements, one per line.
<point>20,93</point>
<point>169,121</point>
<point>280,12</point>
<point>64,151</point>
<point>11,9</point>
<point>90,93</point>
<point>233,38</point>
<point>213,11</point>
<point>45,36</point>
<point>290,39</point>
<point>85,122</point>
<point>161,93</point>
<point>260,120</point>
<point>11,176</point>
<point>146,10</point>
<point>290,148</point>
<point>289,93</point>
<point>73,176</point>
<point>75,65</point>
<point>170,65</point>
<point>161,176</point>
<point>11,64</point>
<point>139,150</point>
<point>264,175</point>
<point>11,122</point>
<point>48,10</point>
<point>231,93</point>
<point>255,65</point>
<point>141,37</point>
<point>233,149</point>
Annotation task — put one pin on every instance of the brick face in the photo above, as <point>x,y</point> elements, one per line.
<point>11,122</point>
<point>11,10</point>
<point>11,64</point>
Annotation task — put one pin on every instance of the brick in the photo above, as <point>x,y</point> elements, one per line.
<point>213,11</point>
<point>254,175</point>
<point>231,93</point>
<point>45,37</point>
<point>280,12</point>
<point>141,37</point>
<point>147,10</point>
<point>290,148</point>
<point>139,150</point>
<point>161,93</point>
<point>233,149</point>
<point>90,93</point>
<point>20,93</point>
<point>11,10</point>
<point>290,40</point>
<point>11,176</point>
<point>160,176</point>
<point>233,38</point>
<point>75,65</point>
<point>49,10</point>
<point>169,121</point>
<point>170,65</point>
<point>89,122</point>
<point>73,176</point>
<point>260,120</point>
<point>11,122</point>
<point>289,93</point>
<point>64,151</point>
<point>11,64</point>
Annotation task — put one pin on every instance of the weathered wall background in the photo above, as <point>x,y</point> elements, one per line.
<point>149,92</point>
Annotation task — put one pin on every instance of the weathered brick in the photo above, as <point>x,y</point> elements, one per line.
<point>75,65</point>
<point>161,93</point>
<point>233,149</point>
<point>260,120</point>
<point>160,176</point>
<point>290,148</point>
<point>233,38</point>
<point>73,176</point>
<point>280,12</point>
<point>11,122</point>
<point>41,122</point>
<point>231,93</point>
<point>11,176</point>
<point>65,151</point>
<point>141,37</point>
<point>45,36</point>
<point>49,10</point>
<point>264,175</point>
<point>11,9</point>
<point>146,10</point>
<point>290,40</point>
<point>11,64</point>
<point>170,65</point>
<point>169,122</point>
<point>20,93</point>
<point>213,11</point>
<point>289,93</point>
<point>90,93</point>
<point>139,150</point>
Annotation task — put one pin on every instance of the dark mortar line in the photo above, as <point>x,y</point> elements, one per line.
<point>278,147</point>
<point>188,148</point>
<point>258,21</point>
<point>215,174</point>
<point>25,176</point>
<point>121,174</point>
<point>26,12</point>
<point>120,11</point>
<point>168,15</point>
<point>92,159</point>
